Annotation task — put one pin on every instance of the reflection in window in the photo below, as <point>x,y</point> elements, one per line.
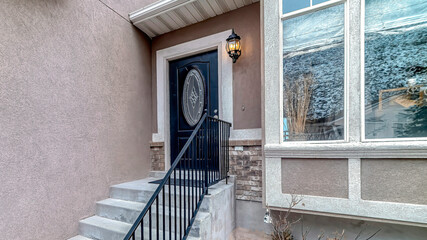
<point>293,5</point>
<point>395,69</point>
<point>318,1</point>
<point>313,72</point>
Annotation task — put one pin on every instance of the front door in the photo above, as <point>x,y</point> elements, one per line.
<point>193,86</point>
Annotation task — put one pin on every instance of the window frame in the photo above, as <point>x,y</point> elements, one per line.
<point>300,12</point>
<point>362,88</point>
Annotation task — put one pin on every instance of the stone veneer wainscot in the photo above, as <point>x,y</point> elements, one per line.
<point>246,165</point>
<point>157,155</point>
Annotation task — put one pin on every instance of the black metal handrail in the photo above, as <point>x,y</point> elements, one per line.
<point>202,162</point>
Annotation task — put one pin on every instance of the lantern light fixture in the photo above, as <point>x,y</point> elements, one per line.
<point>233,47</point>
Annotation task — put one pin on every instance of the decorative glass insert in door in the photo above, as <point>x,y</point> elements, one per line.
<point>193,97</point>
<point>395,69</point>
<point>313,76</point>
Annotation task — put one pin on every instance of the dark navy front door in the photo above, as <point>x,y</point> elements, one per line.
<point>193,87</point>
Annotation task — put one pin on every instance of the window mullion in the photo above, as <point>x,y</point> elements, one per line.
<point>354,74</point>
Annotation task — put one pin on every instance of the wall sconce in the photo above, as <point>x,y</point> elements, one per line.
<point>233,47</point>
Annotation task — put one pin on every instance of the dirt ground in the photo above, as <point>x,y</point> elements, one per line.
<point>246,234</point>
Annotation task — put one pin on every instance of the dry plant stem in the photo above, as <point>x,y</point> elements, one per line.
<point>297,97</point>
<point>282,226</point>
<point>374,234</point>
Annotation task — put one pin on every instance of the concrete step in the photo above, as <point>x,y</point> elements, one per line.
<point>184,173</point>
<point>142,190</point>
<point>106,229</point>
<point>79,237</point>
<point>157,174</point>
<point>128,212</point>
<point>103,228</point>
<point>119,210</point>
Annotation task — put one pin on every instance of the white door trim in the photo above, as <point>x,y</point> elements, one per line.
<point>225,90</point>
<point>225,82</point>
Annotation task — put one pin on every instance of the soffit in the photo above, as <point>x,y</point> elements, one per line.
<point>168,15</point>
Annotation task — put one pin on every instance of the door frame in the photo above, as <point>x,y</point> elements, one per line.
<point>225,82</point>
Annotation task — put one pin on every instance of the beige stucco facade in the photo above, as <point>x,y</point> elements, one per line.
<point>75,89</point>
<point>382,180</point>
<point>77,83</point>
<point>317,177</point>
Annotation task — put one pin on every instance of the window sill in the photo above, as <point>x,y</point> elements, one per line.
<point>407,149</point>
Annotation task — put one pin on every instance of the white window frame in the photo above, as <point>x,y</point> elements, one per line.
<point>362,87</point>
<point>307,10</point>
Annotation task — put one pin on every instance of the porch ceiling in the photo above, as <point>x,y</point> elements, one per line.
<point>167,15</point>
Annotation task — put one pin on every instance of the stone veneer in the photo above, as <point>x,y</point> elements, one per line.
<point>246,165</point>
<point>157,155</point>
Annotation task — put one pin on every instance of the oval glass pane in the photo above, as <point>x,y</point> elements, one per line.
<point>193,98</point>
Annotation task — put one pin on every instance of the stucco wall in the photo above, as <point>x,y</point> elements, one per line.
<point>75,90</point>
<point>332,227</point>
<point>250,215</point>
<point>394,180</point>
<point>124,7</point>
<point>246,71</point>
<point>317,177</point>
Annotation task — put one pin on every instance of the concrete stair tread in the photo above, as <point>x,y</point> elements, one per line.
<point>120,228</point>
<point>105,223</point>
<point>137,206</point>
<point>142,191</point>
<point>79,237</point>
<point>157,174</point>
<point>149,187</point>
<point>142,184</point>
<point>131,205</point>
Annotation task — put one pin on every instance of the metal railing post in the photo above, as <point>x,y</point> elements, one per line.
<point>205,149</point>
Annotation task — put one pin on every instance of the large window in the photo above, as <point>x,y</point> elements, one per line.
<point>392,101</point>
<point>313,73</point>
<point>395,68</point>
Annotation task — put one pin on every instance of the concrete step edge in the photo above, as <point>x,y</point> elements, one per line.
<point>138,207</point>
<point>107,224</point>
<point>80,237</point>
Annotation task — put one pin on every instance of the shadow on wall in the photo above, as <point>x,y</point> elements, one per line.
<point>331,227</point>
<point>250,223</point>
